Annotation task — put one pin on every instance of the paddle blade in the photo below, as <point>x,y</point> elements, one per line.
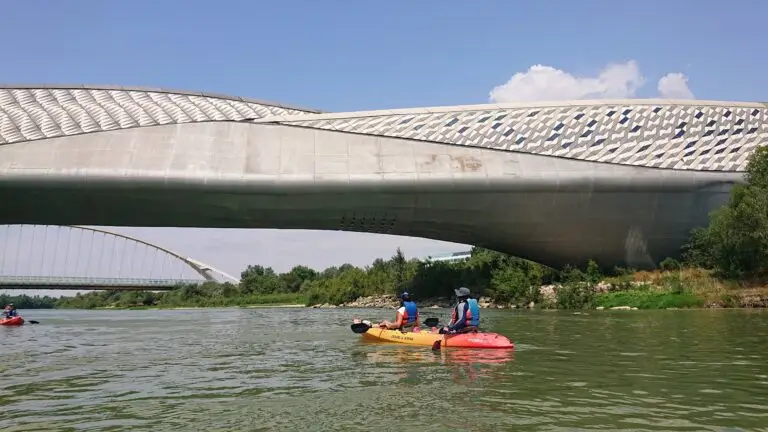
<point>431,322</point>
<point>360,327</point>
<point>436,346</point>
<point>33,322</point>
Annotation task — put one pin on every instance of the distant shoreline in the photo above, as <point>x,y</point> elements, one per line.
<point>253,306</point>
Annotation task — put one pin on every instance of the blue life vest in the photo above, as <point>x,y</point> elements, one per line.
<point>11,313</point>
<point>474,312</point>
<point>411,312</point>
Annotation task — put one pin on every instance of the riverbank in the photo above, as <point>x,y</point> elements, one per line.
<point>194,297</point>
<point>684,289</point>
<point>251,306</point>
<point>671,289</point>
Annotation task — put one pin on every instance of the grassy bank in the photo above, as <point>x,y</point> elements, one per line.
<point>648,299</point>
<point>685,288</point>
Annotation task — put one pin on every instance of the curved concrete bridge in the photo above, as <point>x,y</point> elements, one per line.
<point>619,181</point>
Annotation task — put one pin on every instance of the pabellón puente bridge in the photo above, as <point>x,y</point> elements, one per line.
<point>35,257</point>
<point>618,181</point>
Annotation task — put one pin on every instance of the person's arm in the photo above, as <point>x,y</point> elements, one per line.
<point>461,317</point>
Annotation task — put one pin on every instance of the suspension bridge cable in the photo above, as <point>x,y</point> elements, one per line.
<point>16,261</point>
<point>153,259</point>
<point>5,247</point>
<point>88,260</point>
<point>28,259</point>
<point>112,254</point>
<point>67,245</point>
<point>120,258</point>
<point>162,264</point>
<point>55,250</point>
<point>80,238</point>
<point>45,243</point>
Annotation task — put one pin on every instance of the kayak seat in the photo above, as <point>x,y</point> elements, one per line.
<point>406,327</point>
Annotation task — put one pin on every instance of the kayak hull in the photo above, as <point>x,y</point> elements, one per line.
<point>428,338</point>
<point>15,321</point>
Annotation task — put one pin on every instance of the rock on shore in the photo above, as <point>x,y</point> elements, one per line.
<point>391,302</point>
<point>548,294</point>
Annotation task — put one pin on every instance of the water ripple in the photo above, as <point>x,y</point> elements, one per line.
<point>279,369</point>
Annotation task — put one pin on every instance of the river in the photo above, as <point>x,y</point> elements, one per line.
<point>303,369</point>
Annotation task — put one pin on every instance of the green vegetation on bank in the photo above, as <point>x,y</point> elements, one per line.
<point>724,263</point>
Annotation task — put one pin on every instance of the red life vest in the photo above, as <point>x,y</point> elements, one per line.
<point>467,315</point>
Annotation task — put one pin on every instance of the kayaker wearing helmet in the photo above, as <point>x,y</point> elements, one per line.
<point>466,313</point>
<point>407,315</point>
<point>10,311</point>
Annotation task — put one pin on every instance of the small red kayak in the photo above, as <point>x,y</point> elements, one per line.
<point>15,321</point>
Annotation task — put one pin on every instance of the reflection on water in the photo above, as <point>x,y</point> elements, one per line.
<point>302,369</point>
<point>464,364</point>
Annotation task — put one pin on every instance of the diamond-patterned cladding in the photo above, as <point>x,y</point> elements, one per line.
<point>30,113</point>
<point>689,136</point>
<point>674,136</point>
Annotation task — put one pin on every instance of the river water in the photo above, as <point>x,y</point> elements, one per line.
<point>303,369</point>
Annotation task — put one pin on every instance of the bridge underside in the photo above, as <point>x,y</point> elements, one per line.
<point>240,175</point>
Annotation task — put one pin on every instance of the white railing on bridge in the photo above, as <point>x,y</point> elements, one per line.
<point>92,281</point>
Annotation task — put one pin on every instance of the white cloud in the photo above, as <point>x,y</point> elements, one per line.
<point>674,86</point>
<point>616,80</point>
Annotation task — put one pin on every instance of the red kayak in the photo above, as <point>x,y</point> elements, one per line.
<point>15,321</point>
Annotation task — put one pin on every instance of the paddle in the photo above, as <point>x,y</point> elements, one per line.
<point>363,327</point>
<point>360,328</point>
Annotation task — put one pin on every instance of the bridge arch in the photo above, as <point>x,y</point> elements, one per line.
<point>203,269</point>
<point>31,254</point>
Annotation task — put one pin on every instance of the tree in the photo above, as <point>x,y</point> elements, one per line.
<point>399,270</point>
<point>260,280</point>
<point>297,277</point>
<point>736,241</point>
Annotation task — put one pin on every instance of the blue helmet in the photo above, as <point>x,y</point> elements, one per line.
<point>405,295</point>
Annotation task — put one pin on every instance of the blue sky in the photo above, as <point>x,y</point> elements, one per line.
<point>345,55</point>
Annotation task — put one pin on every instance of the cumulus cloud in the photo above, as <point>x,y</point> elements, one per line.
<point>616,80</point>
<point>674,86</point>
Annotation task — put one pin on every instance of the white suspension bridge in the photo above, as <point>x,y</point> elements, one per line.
<point>50,257</point>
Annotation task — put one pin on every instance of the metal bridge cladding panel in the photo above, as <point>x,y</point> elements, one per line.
<point>36,113</point>
<point>683,136</point>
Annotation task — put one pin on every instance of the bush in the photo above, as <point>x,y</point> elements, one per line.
<point>736,241</point>
<point>577,290</point>
<point>670,264</point>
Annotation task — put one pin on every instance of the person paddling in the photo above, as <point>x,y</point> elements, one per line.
<point>10,311</point>
<point>466,313</point>
<point>406,317</point>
